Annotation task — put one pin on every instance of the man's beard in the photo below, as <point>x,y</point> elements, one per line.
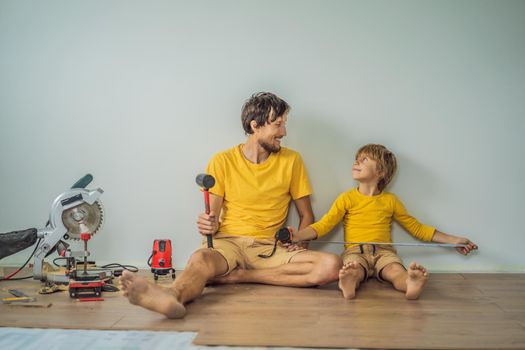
<point>269,148</point>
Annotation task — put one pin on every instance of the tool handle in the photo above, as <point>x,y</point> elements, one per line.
<point>207,201</point>
<point>207,207</point>
<point>15,241</point>
<point>83,182</point>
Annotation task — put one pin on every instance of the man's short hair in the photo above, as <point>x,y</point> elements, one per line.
<point>385,159</point>
<point>263,107</point>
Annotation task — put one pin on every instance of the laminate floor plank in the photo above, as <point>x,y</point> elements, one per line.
<point>456,311</point>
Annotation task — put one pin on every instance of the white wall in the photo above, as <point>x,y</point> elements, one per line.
<point>142,94</point>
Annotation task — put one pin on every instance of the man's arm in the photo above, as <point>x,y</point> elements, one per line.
<point>306,217</point>
<point>304,209</point>
<point>209,223</point>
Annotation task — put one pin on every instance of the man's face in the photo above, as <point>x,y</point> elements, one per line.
<point>269,136</point>
<point>365,168</point>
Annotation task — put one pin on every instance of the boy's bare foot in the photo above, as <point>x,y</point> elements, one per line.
<point>150,296</point>
<point>349,278</point>
<point>417,278</point>
<point>235,276</point>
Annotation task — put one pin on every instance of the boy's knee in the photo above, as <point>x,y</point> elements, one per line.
<point>327,269</point>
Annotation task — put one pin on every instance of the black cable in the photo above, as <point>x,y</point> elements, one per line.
<point>59,258</point>
<point>271,254</point>
<point>124,267</point>
<point>108,266</point>
<point>284,236</point>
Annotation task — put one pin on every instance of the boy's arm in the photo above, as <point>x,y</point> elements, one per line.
<point>326,224</point>
<point>306,234</point>
<point>410,223</point>
<point>428,233</point>
<point>441,237</point>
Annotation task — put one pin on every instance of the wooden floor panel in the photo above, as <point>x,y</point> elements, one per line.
<point>456,311</point>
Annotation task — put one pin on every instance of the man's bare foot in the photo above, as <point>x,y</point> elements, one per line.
<point>417,278</point>
<point>235,276</point>
<point>349,278</point>
<point>150,296</point>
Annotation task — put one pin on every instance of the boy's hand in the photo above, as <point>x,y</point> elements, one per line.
<point>470,246</point>
<point>208,224</point>
<point>291,247</point>
<point>441,237</point>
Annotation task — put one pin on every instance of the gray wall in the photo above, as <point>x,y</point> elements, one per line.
<point>142,94</point>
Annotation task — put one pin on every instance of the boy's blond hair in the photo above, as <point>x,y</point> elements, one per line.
<point>386,162</point>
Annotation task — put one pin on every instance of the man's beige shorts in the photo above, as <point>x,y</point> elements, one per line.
<point>243,252</point>
<point>372,260</point>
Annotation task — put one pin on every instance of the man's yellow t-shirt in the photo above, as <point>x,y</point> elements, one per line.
<point>257,196</point>
<point>369,218</point>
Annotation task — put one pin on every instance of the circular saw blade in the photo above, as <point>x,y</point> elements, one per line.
<point>91,215</point>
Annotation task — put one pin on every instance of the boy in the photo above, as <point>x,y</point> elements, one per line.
<point>367,212</point>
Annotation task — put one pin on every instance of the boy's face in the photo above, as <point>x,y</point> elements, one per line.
<point>365,169</point>
<point>269,135</point>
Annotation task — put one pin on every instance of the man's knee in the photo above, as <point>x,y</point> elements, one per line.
<point>203,260</point>
<point>327,269</point>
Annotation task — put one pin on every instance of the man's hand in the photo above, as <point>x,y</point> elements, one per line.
<point>291,247</point>
<point>465,250</point>
<point>208,224</point>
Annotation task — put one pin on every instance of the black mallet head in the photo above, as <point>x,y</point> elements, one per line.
<point>205,181</point>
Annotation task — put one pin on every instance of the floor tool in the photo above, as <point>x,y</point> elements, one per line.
<point>160,259</point>
<point>75,214</point>
<point>18,296</point>
<point>284,236</point>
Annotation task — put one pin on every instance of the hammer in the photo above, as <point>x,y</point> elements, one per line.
<point>206,182</point>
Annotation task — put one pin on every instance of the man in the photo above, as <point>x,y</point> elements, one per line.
<point>255,182</point>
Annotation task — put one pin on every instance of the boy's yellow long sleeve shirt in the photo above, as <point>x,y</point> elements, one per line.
<point>369,218</point>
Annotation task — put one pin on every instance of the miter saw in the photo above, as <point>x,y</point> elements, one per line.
<point>75,214</point>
